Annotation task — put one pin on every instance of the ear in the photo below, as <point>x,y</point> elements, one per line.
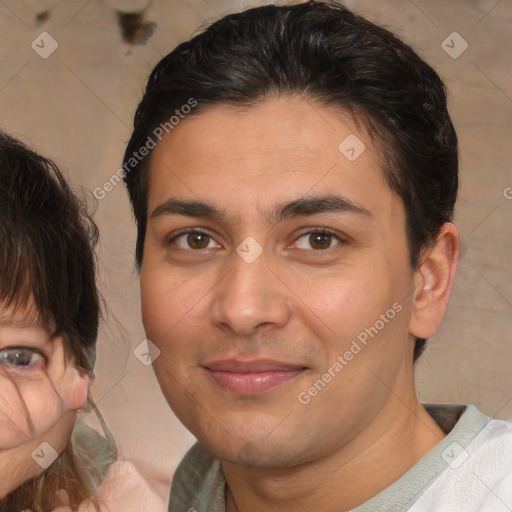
<point>433,282</point>
<point>76,388</point>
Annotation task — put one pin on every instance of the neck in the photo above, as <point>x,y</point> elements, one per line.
<point>398,437</point>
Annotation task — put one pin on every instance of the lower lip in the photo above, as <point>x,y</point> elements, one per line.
<point>252,383</point>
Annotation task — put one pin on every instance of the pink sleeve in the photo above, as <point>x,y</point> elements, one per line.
<point>123,490</point>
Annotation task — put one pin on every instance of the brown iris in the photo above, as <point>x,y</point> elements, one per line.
<point>198,240</point>
<point>320,240</point>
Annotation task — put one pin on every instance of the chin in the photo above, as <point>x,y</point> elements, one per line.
<point>250,449</point>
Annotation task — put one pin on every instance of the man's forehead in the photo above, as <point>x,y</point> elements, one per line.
<point>337,166</point>
<point>304,126</point>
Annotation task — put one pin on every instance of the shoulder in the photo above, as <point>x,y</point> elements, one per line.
<point>479,477</point>
<point>198,482</point>
<point>491,449</point>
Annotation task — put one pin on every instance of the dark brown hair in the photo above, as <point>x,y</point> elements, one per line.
<point>46,256</point>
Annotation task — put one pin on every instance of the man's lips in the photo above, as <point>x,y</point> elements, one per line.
<point>252,377</point>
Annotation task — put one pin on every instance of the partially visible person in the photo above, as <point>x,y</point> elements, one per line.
<point>49,315</point>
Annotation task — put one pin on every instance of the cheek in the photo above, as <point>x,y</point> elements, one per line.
<point>338,305</point>
<point>174,315</point>
<point>44,406</point>
<point>27,410</point>
<point>169,303</point>
<point>360,320</point>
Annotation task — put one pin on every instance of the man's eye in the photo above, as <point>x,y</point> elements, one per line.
<point>317,240</point>
<point>21,358</point>
<point>194,240</point>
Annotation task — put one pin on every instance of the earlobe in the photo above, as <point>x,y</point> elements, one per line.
<point>433,282</point>
<point>78,390</point>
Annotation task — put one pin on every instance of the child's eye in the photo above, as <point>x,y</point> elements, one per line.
<point>22,357</point>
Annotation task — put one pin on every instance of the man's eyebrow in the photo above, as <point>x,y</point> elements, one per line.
<point>188,208</point>
<point>304,206</point>
<point>313,205</point>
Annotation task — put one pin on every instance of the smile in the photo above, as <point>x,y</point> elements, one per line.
<point>251,377</point>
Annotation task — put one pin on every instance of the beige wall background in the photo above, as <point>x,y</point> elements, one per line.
<point>76,106</point>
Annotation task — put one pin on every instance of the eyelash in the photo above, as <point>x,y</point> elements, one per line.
<point>322,231</point>
<point>311,231</point>
<point>4,353</point>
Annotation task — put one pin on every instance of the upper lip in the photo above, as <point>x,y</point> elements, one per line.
<point>252,366</point>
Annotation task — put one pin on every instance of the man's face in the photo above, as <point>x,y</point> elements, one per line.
<point>249,341</point>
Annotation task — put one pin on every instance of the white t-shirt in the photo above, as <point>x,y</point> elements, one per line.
<point>470,470</point>
<point>478,477</point>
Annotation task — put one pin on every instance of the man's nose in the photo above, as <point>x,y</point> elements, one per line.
<point>249,296</point>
